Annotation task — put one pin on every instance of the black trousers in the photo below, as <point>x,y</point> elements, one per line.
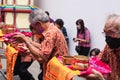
<point>17,65</point>
<point>84,51</point>
<point>24,73</point>
<point>21,69</point>
<point>40,76</point>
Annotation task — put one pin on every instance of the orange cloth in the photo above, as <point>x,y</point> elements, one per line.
<point>38,36</point>
<point>11,56</point>
<point>57,71</point>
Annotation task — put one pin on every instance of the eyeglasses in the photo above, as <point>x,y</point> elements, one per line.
<point>111,33</point>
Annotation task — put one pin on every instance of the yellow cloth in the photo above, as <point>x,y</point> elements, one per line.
<point>1,33</point>
<point>57,71</point>
<point>11,56</point>
<point>1,36</point>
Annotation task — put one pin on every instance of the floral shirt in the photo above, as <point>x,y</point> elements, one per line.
<point>112,58</point>
<point>54,44</point>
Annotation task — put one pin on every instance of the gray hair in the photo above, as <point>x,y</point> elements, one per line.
<point>38,15</point>
<point>112,25</point>
<point>116,19</point>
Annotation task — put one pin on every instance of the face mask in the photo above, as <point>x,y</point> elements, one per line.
<point>40,31</point>
<point>113,43</point>
<point>78,27</point>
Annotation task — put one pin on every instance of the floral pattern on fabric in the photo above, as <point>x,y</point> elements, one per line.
<point>54,44</point>
<point>112,58</point>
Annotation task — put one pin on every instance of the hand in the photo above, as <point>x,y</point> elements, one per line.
<point>95,75</point>
<point>14,44</point>
<point>20,38</point>
<point>75,39</point>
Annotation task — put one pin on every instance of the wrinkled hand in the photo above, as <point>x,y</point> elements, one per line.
<point>20,38</point>
<point>95,75</point>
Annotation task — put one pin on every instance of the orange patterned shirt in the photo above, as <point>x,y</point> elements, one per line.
<point>53,44</point>
<point>112,58</point>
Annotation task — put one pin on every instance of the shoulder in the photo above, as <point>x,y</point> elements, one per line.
<point>87,30</point>
<point>51,31</point>
<point>106,51</point>
<point>63,29</point>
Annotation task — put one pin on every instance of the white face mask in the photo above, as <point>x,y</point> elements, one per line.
<point>78,26</point>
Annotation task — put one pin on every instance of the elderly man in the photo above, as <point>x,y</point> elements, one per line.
<point>111,53</point>
<point>53,44</point>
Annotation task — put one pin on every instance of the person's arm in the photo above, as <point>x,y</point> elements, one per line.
<point>39,52</point>
<point>83,40</point>
<point>35,43</point>
<point>87,37</point>
<point>86,40</point>
<point>32,46</point>
<point>96,75</point>
<point>64,31</point>
<point>44,50</point>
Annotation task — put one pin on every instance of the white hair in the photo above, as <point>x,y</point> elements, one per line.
<point>38,15</point>
<point>115,18</point>
<point>113,23</point>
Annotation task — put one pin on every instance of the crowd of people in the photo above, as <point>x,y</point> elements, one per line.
<point>51,39</point>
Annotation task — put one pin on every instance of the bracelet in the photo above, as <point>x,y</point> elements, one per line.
<point>28,43</point>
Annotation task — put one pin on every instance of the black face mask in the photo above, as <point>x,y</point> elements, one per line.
<point>113,43</point>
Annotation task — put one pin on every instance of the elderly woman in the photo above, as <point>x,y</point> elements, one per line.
<point>111,52</point>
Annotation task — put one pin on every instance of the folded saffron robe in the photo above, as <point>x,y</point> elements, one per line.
<point>11,56</point>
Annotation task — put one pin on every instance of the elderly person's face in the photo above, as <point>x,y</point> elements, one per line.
<point>37,27</point>
<point>112,31</point>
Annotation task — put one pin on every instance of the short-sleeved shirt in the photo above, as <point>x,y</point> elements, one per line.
<point>85,36</point>
<point>112,58</point>
<point>54,44</point>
